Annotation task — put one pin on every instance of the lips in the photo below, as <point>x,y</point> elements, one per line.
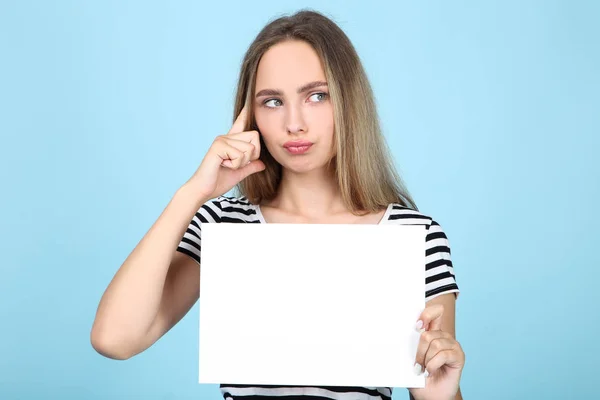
<point>297,146</point>
<point>297,143</point>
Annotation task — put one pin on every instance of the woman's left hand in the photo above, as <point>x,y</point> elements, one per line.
<point>439,356</point>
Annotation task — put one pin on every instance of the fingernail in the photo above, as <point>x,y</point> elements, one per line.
<point>418,369</point>
<point>426,374</point>
<point>419,326</point>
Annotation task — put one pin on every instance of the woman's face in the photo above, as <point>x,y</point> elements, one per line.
<point>292,108</point>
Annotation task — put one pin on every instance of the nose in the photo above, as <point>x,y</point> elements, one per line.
<point>294,120</point>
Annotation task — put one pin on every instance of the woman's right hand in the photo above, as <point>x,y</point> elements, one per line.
<point>229,160</point>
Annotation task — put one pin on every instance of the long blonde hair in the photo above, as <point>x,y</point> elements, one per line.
<point>364,167</point>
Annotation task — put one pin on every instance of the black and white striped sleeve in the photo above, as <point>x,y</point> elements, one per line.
<point>190,243</point>
<point>439,271</point>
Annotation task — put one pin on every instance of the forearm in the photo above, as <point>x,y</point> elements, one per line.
<point>131,301</point>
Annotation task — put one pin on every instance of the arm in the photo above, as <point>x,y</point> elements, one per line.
<point>153,289</point>
<point>438,352</point>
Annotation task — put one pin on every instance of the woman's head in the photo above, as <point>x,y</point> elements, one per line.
<point>302,80</point>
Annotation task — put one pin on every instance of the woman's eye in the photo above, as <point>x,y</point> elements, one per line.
<point>269,103</point>
<point>319,96</point>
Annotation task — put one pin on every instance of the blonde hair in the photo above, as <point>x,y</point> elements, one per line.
<point>364,167</point>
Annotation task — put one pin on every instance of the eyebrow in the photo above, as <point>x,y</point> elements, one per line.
<point>301,89</point>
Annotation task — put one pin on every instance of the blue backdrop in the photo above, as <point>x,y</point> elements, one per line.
<point>491,109</point>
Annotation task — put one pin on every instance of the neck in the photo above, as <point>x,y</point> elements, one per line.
<point>313,194</point>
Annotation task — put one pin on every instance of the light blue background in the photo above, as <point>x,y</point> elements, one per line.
<point>491,110</point>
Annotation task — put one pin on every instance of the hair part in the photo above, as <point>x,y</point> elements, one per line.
<point>363,164</point>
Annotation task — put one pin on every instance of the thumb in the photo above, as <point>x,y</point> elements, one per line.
<point>252,168</point>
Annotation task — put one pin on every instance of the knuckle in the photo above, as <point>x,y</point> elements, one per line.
<point>458,347</point>
<point>436,345</point>
<point>221,139</point>
<point>458,350</point>
<point>427,336</point>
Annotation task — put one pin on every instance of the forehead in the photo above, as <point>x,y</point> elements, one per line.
<point>288,65</point>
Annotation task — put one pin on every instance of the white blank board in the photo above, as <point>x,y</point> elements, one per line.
<point>311,304</point>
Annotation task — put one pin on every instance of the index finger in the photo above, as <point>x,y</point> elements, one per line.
<point>240,122</point>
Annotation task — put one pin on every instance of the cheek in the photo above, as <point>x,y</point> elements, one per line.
<point>326,124</point>
<point>266,122</point>
<point>267,125</point>
<point>322,120</point>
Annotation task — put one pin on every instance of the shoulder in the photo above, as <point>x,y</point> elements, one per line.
<point>402,215</point>
<point>230,209</point>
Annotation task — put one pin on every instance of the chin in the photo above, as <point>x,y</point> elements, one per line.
<point>303,166</point>
<point>302,163</point>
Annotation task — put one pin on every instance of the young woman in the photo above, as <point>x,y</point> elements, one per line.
<point>305,147</point>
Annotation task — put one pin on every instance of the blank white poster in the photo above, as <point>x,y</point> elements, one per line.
<point>310,304</point>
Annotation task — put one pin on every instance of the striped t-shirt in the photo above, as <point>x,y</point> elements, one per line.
<point>439,279</point>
